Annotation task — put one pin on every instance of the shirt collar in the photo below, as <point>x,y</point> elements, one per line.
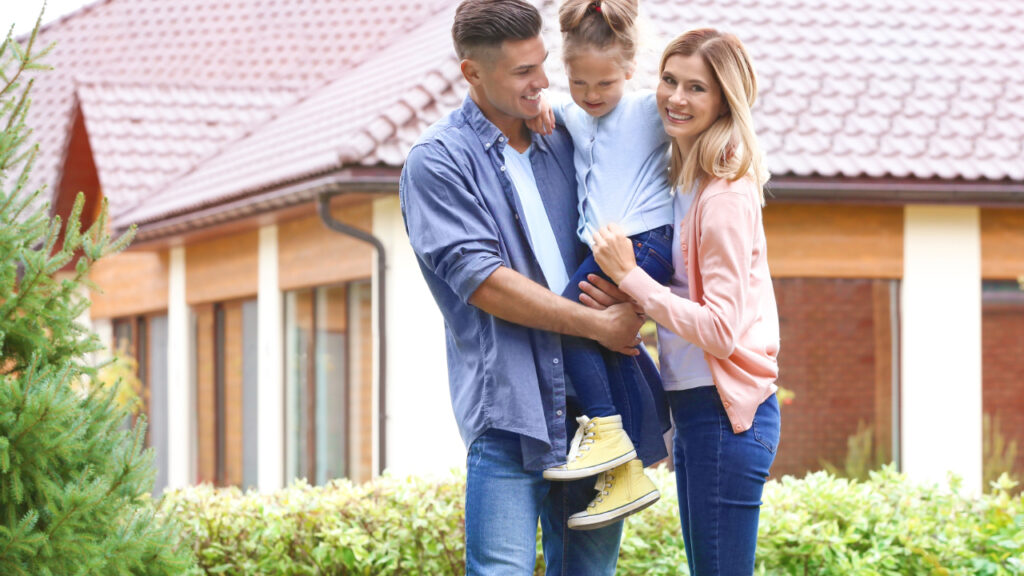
<point>489,134</point>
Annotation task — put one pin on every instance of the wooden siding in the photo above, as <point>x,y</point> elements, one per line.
<point>1002,244</point>
<point>834,241</point>
<point>222,268</point>
<point>310,254</point>
<point>131,283</point>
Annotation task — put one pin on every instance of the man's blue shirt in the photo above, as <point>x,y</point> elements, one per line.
<point>464,220</point>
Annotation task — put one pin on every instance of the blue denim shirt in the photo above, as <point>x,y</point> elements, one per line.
<point>464,221</point>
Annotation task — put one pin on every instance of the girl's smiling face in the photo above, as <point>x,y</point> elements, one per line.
<point>597,80</point>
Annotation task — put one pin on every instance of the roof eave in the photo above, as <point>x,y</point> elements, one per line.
<point>899,191</point>
<point>369,180</point>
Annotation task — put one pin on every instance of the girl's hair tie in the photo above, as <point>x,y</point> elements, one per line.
<point>596,7</point>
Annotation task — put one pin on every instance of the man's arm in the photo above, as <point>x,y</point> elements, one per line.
<point>515,298</point>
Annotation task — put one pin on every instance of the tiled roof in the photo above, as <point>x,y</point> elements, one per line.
<point>926,90</point>
<point>142,135</point>
<point>252,47</point>
<point>371,115</point>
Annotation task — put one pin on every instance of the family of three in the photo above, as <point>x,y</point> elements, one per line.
<point>547,228</point>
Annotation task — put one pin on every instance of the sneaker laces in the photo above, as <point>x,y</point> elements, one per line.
<point>582,440</point>
<point>603,485</point>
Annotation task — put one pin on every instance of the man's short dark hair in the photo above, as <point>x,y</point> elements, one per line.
<point>485,24</point>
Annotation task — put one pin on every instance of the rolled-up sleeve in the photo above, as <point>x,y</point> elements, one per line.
<point>450,229</point>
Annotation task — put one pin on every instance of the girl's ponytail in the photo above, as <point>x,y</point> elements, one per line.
<point>599,24</point>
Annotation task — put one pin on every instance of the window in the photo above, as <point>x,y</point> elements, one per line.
<point>226,393</point>
<point>328,382</point>
<point>839,355</point>
<point>144,338</point>
<point>1002,367</point>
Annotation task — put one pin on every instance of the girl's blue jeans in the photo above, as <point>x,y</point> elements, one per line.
<point>720,477</point>
<point>583,360</point>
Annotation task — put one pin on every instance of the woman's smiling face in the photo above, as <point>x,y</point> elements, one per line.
<point>689,98</point>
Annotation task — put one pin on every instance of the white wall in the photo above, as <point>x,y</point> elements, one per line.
<point>421,436</point>
<point>940,404</point>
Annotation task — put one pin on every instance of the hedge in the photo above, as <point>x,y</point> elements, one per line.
<point>819,524</point>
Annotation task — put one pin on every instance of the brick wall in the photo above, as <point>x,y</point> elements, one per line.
<point>1002,336</point>
<point>835,356</point>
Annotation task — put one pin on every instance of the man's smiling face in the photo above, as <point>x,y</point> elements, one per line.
<point>509,82</point>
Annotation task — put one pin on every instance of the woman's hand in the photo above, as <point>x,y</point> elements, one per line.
<point>613,252</point>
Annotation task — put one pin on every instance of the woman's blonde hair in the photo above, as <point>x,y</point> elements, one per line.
<point>728,148</point>
<point>599,25</point>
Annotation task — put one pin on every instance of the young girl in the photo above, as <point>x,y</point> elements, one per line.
<point>726,433</point>
<point>620,161</point>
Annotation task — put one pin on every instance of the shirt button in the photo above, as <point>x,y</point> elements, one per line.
<point>502,168</point>
<point>501,138</point>
<point>726,404</point>
<point>558,412</point>
<point>738,427</point>
<point>488,145</point>
<point>554,360</point>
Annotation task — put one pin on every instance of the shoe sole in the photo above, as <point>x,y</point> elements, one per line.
<point>566,475</point>
<point>612,516</point>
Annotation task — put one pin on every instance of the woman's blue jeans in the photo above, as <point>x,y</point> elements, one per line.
<point>720,477</point>
<point>584,363</point>
<point>503,504</point>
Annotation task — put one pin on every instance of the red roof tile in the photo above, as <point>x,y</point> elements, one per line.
<point>929,89</point>
<point>245,47</point>
<point>142,135</point>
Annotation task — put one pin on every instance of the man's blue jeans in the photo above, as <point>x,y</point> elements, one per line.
<point>503,504</point>
<point>720,477</point>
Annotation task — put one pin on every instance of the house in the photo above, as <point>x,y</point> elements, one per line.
<point>279,318</point>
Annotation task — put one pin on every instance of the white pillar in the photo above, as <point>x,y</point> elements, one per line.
<point>180,403</point>
<point>270,364</point>
<point>421,433</point>
<point>940,404</point>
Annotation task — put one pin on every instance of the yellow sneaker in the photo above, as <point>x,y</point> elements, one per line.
<point>620,492</point>
<point>600,444</point>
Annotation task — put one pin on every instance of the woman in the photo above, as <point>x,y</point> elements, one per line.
<point>721,300</point>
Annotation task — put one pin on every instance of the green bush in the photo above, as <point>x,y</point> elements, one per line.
<point>820,524</point>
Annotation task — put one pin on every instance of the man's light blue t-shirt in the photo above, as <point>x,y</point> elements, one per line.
<point>542,237</point>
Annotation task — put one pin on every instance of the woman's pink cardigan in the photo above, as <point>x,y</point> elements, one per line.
<point>731,313</point>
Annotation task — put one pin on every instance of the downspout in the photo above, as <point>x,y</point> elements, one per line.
<point>323,208</point>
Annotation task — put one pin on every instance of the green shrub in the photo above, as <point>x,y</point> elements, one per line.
<point>820,524</point>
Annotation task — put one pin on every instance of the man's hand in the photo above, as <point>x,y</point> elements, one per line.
<point>598,293</point>
<point>543,123</point>
<point>620,329</point>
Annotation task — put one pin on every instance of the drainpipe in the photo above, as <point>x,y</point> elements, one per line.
<point>323,208</point>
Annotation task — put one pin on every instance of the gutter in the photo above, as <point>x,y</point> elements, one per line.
<point>896,191</point>
<point>324,210</point>
<point>264,201</point>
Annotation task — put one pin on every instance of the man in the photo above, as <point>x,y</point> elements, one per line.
<point>490,208</point>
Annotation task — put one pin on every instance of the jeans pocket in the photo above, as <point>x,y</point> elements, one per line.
<point>766,424</point>
<point>653,263</point>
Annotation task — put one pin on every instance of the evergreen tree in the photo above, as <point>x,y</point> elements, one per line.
<point>74,482</point>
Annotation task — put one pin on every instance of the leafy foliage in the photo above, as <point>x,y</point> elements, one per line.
<point>74,484</point>
<point>820,524</point>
